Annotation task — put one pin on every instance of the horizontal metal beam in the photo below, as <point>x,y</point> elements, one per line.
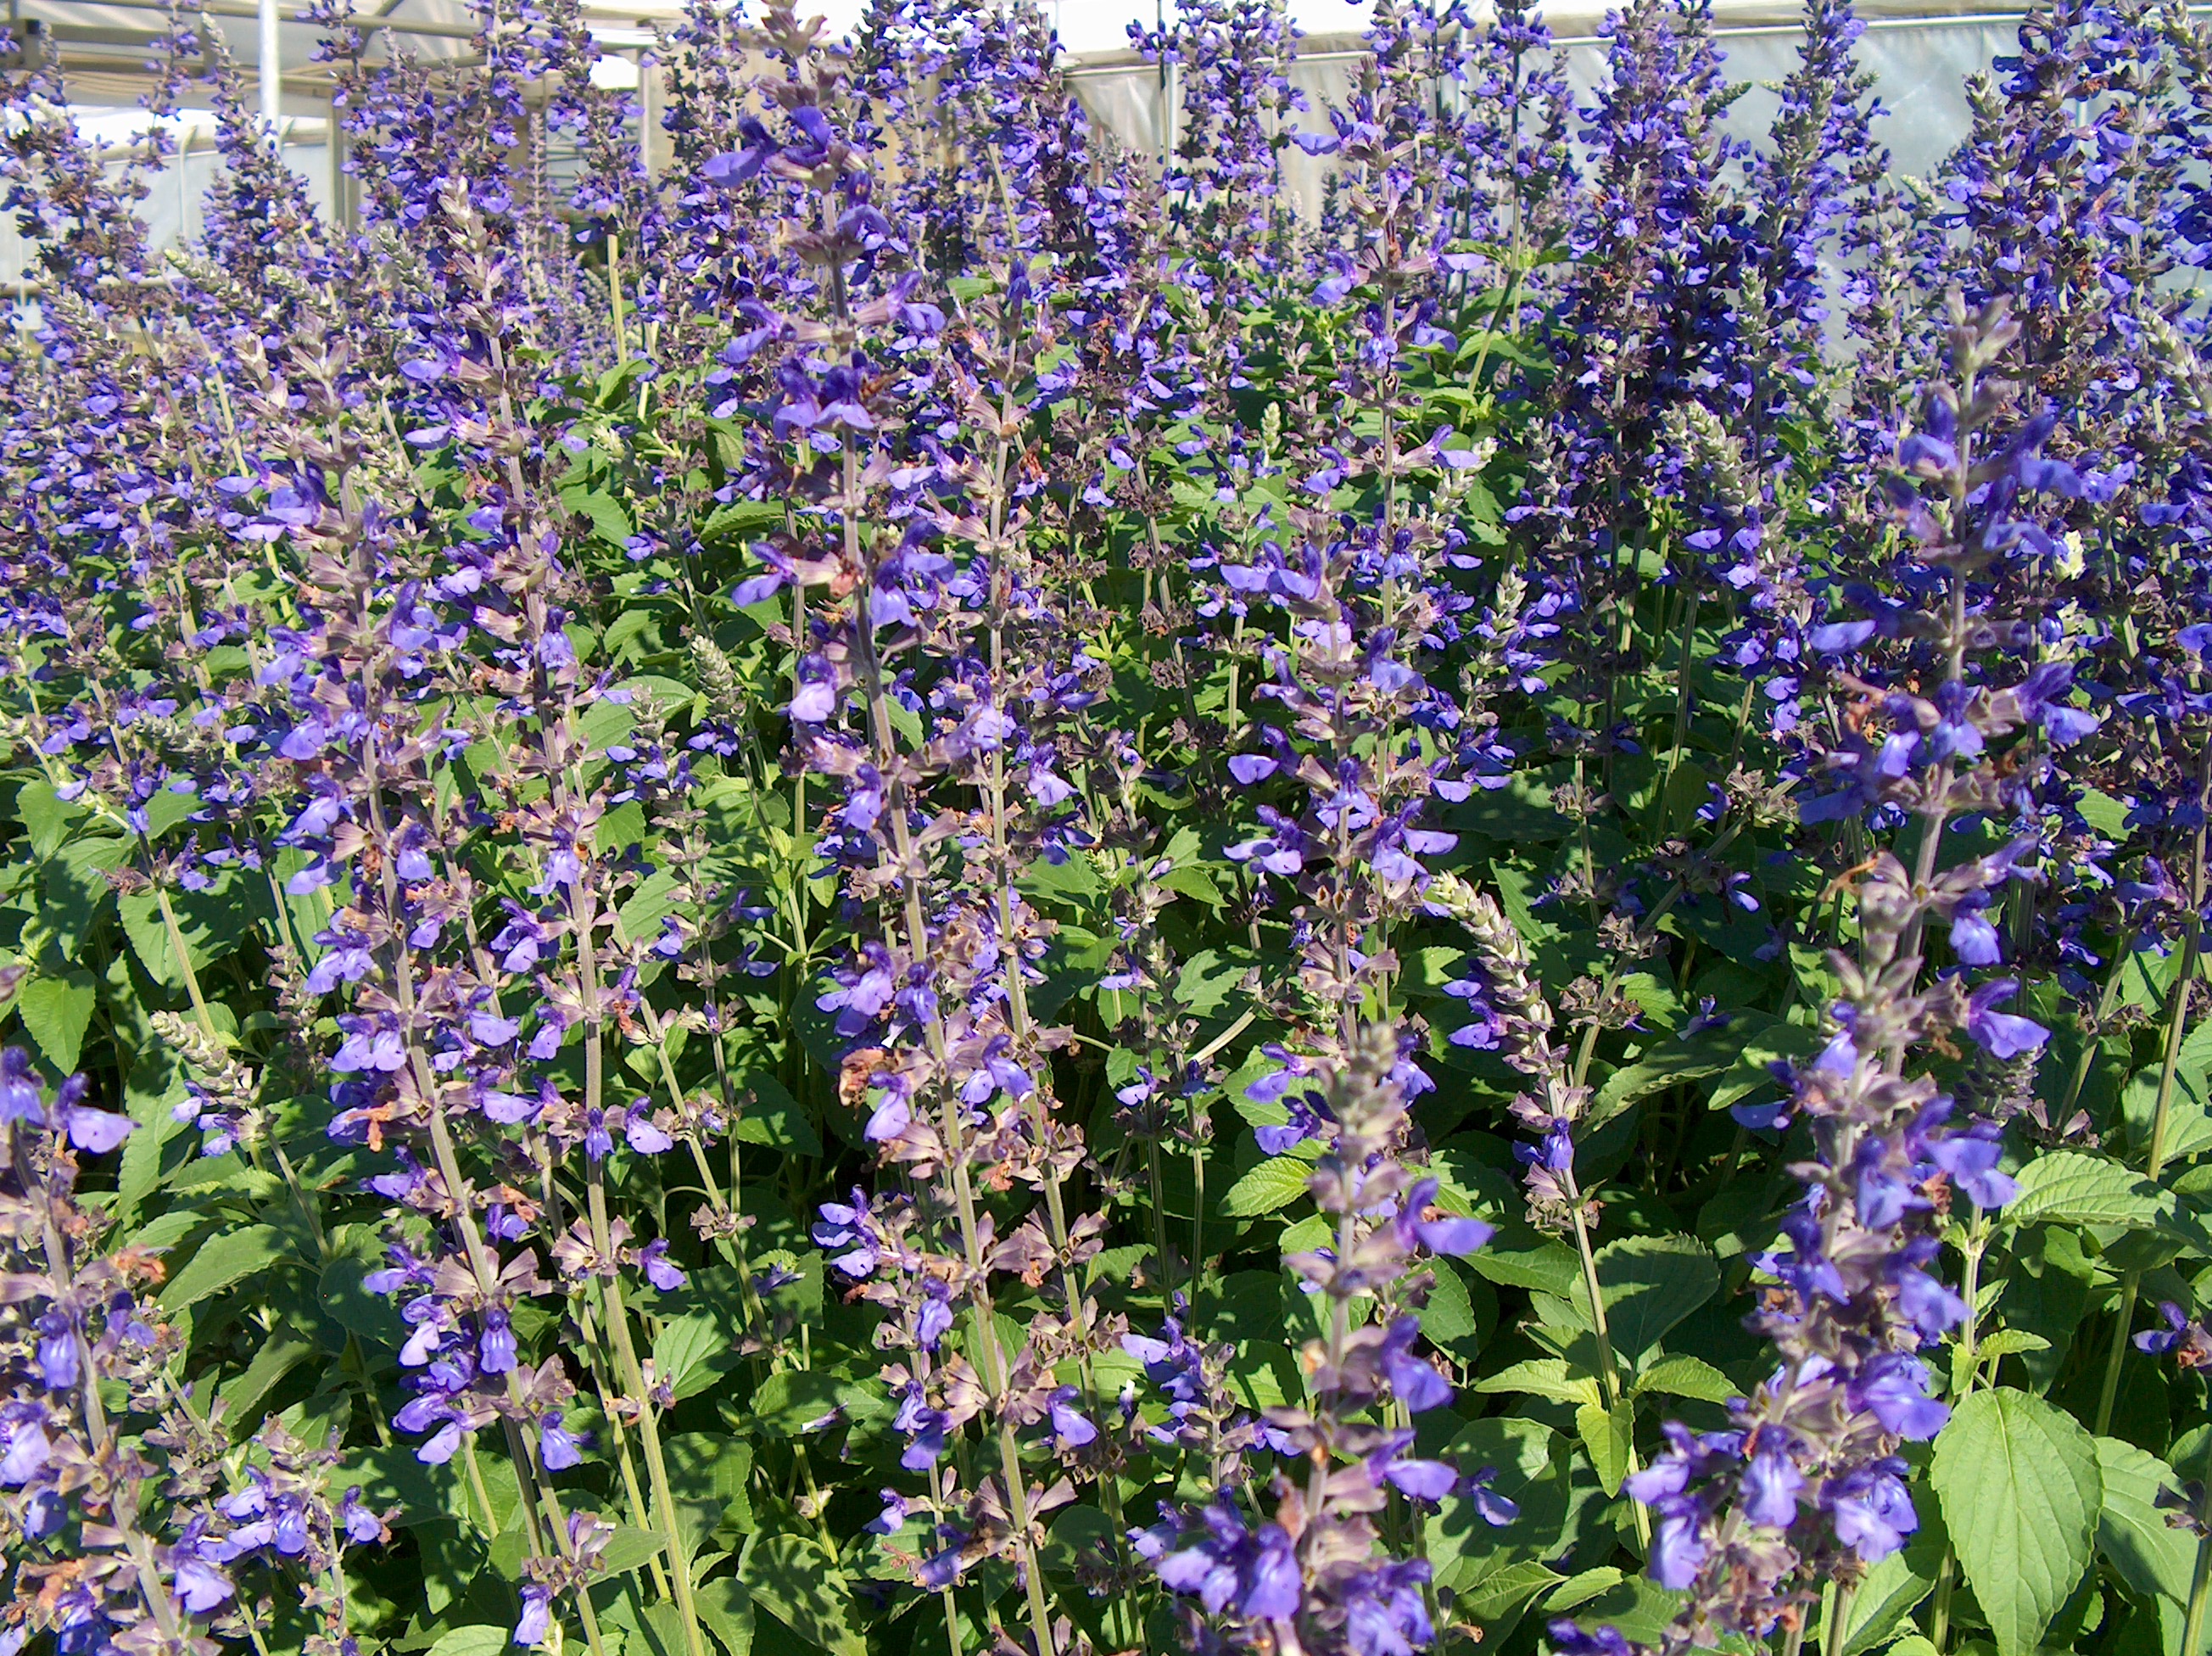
<point>243,10</point>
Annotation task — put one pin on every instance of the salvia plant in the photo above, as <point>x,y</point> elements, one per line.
<point>875,880</point>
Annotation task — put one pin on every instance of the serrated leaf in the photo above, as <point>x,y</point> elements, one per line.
<point>49,818</point>
<point>774,1119</point>
<point>76,888</point>
<point>690,1353</point>
<point>610,521</point>
<point>2188,1127</point>
<point>1194,882</point>
<point>1609,1436</point>
<point>1525,1460</point>
<point>1208,980</point>
<point>166,809</point>
<point>728,1610</point>
<point>1583,1586</point>
<point>56,1012</point>
<point>1543,1264</point>
<point>1888,1591</point>
<point>213,924</point>
<point>1449,1317</point>
<point>630,1547</point>
<point>1668,1061</point>
<point>225,1257</point>
<point>799,1584</point>
<point>2009,1343</point>
<point>1542,1377</point>
<point>280,1354</point>
<point>2073,1187</point>
<point>1273,1185</point>
<point>1687,1377</point>
<point>2021,1492</point>
<point>2151,1555</point>
<point>1499,1594</point>
<point>472,1641</point>
<point>1650,1283</point>
<point>798,1401</point>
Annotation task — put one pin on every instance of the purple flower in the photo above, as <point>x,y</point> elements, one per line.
<point>1873,1513</point>
<point>1416,1383</point>
<point>556,1447</point>
<point>1495,1510</point>
<point>537,1618</point>
<point>1771,1486</point>
<point>1233,1570</point>
<point>892,1519</point>
<point>2004,1034</point>
<point>1893,1387</point>
<point>1974,939</point>
<point>495,1351</point>
<point>659,1271</point>
<point>1448,1235</point>
<point>1070,1429</point>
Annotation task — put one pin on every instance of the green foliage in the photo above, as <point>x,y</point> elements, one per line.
<point>2022,1492</point>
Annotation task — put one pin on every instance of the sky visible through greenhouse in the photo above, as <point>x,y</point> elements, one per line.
<point>1104,25</point>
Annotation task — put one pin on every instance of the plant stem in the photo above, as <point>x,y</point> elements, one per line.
<point>2200,1580</point>
<point>1939,1622</point>
<point>1836,1618</point>
<point>1608,1367</point>
<point>2177,1020</point>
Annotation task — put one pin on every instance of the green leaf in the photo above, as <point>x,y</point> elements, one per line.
<point>2188,1128</point>
<point>57,1011</point>
<point>1275,1184</point>
<point>691,1353</point>
<point>1668,1061</point>
<point>1650,1283</point>
<point>2010,1342</point>
<point>774,1119</point>
<point>284,1350</point>
<point>2073,1187</point>
<point>354,1308</point>
<point>798,1401</point>
<point>1584,1586</point>
<point>223,1259</point>
<point>630,1548</point>
<point>1890,1590</point>
<point>1542,1377</point>
<point>2021,1491</point>
<point>48,817</point>
<point>213,923</point>
<point>166,810</point>
<point>2151,1555</point>
<point>1687,1377</point>
<point>609,520</point>
<point>78,888</point>
<point>1448,1318</point>
<point>1541,1263</point>
<point>1638,1607</point>
<point>728,1610</point>
<point>799,1584</point>
<point>1609,1436</point>
<point>1191,880</point>
<point>472,1641</point>
<point>1208,980</point>
<point>1527,1464</point>
<point>1499,1594</point>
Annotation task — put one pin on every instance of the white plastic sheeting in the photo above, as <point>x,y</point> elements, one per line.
<point>1920,62</point>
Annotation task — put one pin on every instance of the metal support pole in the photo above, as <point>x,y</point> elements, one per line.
<point>334,135</point>
<point>269,67</point>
